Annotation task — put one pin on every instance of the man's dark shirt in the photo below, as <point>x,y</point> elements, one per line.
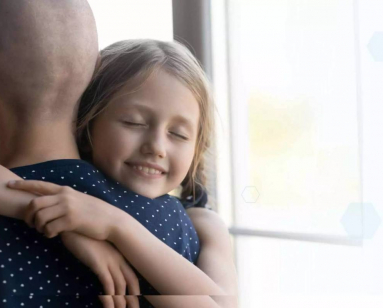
<point>40,272</point>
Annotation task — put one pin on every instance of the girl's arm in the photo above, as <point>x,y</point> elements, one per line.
<point>172,274</point>
<point>165,269</point>
<point>103,260</point>
<point>216,253</point>
<point>12,202</point>
<point>184,301</point>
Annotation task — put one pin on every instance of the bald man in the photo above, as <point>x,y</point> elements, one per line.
<point>48,52</point>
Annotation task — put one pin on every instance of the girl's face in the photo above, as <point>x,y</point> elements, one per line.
<point>146,140</point>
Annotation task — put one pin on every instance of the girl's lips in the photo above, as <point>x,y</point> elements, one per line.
<point>144,174</point>
<point>148,165</point>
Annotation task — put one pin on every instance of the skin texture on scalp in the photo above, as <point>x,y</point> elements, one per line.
<point>48,53</point>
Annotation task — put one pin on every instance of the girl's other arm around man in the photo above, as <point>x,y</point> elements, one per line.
<point>12,203</point>
<point>172,274</point>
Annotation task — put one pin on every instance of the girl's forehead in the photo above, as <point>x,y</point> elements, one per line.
<point>160,84</point>
<point>161,94</point>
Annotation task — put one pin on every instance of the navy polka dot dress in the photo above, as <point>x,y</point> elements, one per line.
<point>40,272</point>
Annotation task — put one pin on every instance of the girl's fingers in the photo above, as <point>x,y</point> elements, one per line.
<point>37,187</point>
<point>131,279</point>
<point>107,301</point>
<point>36,205</point>
<point>119,287</point>
<point>119,281</point>
<point>56,226</point>
<point>132,301</point>
<point>107,282</point>
<point>119,301</point>
<point>51,220</point>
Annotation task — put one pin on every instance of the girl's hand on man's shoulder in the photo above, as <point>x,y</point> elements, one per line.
<point>61,208</point>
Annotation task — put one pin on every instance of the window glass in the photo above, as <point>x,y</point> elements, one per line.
<point>127,19</point>
<point>294,114</point>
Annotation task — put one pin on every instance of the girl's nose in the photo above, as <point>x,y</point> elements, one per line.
<point>154,145</point>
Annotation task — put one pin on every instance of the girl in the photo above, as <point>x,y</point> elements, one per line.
<point>146,121</point>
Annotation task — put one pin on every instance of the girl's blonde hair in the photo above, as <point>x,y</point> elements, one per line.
<point>131,62</point>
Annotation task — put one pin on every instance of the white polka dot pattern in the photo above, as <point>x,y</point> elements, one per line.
<point>36,271</point>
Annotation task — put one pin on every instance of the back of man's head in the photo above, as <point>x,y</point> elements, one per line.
<point>48,52</point>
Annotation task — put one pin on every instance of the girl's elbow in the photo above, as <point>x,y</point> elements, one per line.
<point>226,301</point>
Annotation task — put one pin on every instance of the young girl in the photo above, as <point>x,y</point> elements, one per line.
<point>146,122</point>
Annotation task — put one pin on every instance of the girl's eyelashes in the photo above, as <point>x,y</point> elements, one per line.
<point>134,124</point>
<point>179,136</point>
<point>140,124</point>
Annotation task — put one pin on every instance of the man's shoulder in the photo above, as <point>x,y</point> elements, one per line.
<point>59,165</point>
<point>75,173</point>
<point>86,178</point>
<point>62,172</point>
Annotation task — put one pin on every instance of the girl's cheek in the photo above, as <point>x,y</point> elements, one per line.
<point>187,157</point>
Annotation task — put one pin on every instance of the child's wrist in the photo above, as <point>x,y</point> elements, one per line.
<point>117,219</point>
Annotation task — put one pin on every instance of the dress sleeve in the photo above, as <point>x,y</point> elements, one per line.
<point>201,199</point>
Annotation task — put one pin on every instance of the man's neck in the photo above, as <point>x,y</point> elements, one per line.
<point>27,144</point>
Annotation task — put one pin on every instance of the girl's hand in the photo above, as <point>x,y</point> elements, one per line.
<point>130,301</point>
<point>113,271</point>
<point>61,208</point>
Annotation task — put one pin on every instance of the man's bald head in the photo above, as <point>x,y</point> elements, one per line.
<point>48,52</point>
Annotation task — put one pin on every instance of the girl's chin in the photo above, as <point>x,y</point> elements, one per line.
<point>148,191</point>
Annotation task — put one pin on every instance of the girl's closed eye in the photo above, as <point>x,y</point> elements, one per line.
<point>134,123</point>
<point>179,136</point>
<point>141,124</point>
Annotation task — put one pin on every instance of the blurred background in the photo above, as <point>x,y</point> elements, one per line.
<point>296,167</point>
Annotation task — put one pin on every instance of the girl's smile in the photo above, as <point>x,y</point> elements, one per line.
<point>142,169</point>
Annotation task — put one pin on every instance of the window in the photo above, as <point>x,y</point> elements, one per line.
<point>129,19</point>
<point>298,88</point>
<point>293,111</point>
